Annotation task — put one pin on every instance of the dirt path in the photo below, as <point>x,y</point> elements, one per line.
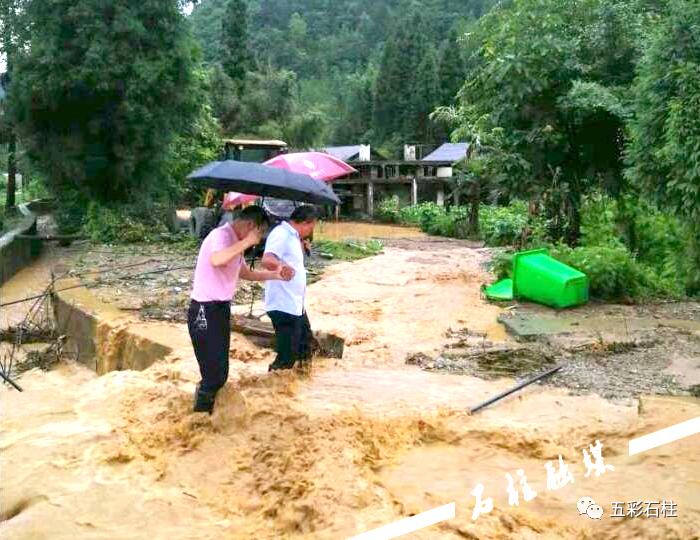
<point>364,441</point>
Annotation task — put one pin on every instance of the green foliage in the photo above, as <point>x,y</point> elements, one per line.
<point>225,100</point>
<point>411,215</point>
<point>348,250</point>
<point>509,225</point>
<point>544,97</point>
<point>660,267</point>
<point>100,93</point>
<point>388,210</point>
<point>421,215</point>
<point>599,222</point>
<point>499,225</point>
<point>425,96</point>
<point>398,97</point>
<point>615,274</point>
<point>305,129</point>
<point>452,70</point>
<point>335,42</point>
<point>33,187</point>
<point>200,143</point>
<point>661,241</point>
<point>235,56</point>
<point>664,154</point>
<point>355,95</point>
<point>125,224</point>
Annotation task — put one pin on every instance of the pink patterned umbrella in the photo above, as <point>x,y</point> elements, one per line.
<point>316,164</point>
<point>233,199</point>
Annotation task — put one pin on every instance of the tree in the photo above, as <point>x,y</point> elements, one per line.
<point>100,93</point>
<point>298,30</point>
<point>305,129</point>
<point>396,81</point>
<point>225,100</point>
<point>200,143</point>
<point>425,96</point>
<point>235,55</point>
<point>452,69</point>
<point>11,39</point>
<point>664,154</point>
<point>538,91</point>
<point>355,105</point>
<point>387,88</point>
<point>270,97</point>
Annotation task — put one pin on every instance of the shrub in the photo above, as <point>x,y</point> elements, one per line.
<point>388,210</point>
<point>348,250</point>
<point>599,215</point>
<point>122,224</point>
<point>660,241</point>
<point>413,215</point>
<point>509,225</point>
<point>613,272</point>
<point>499,226</point>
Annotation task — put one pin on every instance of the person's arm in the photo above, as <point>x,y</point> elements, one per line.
<point>270,261</point>
<point>224,256</point>
<point>263,275</point>
<point>273,246</point>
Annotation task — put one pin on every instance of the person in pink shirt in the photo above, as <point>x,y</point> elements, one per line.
<point>219,266</point>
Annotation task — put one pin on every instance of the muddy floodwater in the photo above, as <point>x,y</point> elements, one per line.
<point>359,443</point>
<point>342,230</point>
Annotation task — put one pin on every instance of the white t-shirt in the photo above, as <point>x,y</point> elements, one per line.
<point>286,296</point>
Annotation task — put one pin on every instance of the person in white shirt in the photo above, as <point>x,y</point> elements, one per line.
<point>284,301</point>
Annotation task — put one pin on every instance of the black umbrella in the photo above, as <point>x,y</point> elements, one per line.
<point>257,179</point>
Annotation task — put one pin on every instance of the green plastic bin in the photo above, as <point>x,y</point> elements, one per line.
<point>540,278</point>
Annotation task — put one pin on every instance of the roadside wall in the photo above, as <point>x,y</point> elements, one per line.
<point>16,252</point>
<point>106,342</point>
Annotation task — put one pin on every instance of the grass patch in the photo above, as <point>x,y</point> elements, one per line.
<point>347,250</point>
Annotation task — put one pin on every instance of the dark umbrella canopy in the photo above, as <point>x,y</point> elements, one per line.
<point>257,179</point>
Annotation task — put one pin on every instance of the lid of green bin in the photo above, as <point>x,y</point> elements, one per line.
<point>500,291</point>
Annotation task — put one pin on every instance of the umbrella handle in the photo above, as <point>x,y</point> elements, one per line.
<point>252,290</point>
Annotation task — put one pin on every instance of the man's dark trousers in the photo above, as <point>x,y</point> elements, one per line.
<point>292,339</point>
<point>209,324</point>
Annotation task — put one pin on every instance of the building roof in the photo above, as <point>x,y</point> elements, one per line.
<point>344,153</point>
<point>452,152</point>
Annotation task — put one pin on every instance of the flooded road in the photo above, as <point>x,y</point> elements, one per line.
<point>362,442</point>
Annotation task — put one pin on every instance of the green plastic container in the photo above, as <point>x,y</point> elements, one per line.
<point>540,278</point>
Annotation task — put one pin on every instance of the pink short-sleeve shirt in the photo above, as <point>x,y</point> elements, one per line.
<point>211,283</point>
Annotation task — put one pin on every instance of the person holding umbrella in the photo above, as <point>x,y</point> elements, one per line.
<point>219,266</point>
<point>284,300</point>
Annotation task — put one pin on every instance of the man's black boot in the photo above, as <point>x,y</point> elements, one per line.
<point>204,401</point>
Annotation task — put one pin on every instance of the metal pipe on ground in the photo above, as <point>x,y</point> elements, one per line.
<point>517,387</point>
<point>55,238</point>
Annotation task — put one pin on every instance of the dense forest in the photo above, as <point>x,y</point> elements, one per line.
<point>338,72</point>
<point>582,114</point>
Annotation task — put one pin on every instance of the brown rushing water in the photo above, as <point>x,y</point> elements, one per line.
<point>364,441</point>
<point>343,230</point>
